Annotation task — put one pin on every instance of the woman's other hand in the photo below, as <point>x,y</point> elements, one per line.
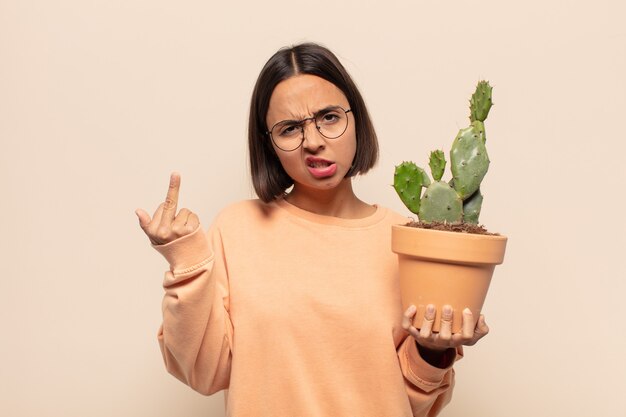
<point>471,331</point>
<point>165,226</point>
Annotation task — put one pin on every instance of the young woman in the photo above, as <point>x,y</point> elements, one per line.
<point>291,302</point>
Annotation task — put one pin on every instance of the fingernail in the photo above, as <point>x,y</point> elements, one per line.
<point>467,311</point>
<point>430,309</point>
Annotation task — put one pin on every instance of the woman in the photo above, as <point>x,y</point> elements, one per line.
<point>291,302</point>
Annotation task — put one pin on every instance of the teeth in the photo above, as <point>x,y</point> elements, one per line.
<point>318,164</point>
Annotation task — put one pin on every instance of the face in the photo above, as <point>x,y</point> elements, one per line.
<point>320,163</point>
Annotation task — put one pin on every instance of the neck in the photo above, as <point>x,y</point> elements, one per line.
<point>339,201</point>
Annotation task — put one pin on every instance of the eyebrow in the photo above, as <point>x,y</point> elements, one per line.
<point>325,109</point>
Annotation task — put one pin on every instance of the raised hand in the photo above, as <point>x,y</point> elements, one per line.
<point>471,331</point>
<point>166,226</point>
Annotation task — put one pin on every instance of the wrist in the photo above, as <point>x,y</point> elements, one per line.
<point>438,358</point>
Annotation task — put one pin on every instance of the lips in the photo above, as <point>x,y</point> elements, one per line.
<point>319,167</point>
<point>314,162</point>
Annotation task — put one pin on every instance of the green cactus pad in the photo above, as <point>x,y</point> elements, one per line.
<point>481,103</point>
<point>437,164</point>
<point>469,161</point>
<point>480,128</point>
<point>441,203</point>
<point>471,207</point>
<point>425,177</point>
<point>407,181</point>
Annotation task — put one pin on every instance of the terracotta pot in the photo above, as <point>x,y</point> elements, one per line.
<point>439,268</point>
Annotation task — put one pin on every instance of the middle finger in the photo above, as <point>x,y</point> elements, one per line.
<point>427,323</point>
<point>171,200</point>
<point>445,332</point>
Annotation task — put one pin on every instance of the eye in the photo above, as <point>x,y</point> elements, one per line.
<point>329,118</point>
<point>288,130</point>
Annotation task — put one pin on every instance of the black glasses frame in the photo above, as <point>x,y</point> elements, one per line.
<point>300,124</point>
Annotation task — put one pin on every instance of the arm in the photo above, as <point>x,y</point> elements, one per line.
<point>196,334</point>
<point>429,388</point>
<point>426,358</point>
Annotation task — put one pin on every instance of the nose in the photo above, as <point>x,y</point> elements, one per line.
<point>311,140</point>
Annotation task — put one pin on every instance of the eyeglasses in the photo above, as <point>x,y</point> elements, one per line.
<point>331,122</point>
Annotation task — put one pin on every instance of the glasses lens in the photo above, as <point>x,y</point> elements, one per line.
<point>332,123</point>
<point>287,135</point>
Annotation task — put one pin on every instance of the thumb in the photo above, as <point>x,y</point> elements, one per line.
<point>144,218</point>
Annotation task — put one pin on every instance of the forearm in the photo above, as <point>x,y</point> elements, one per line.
<point>196,334</point>
<point>429,387</point>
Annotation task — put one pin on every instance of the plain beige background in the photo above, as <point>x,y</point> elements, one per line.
<point>100,100</point>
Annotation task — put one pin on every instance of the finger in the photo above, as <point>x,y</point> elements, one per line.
<point>480,331</point>
<point>171,200</point>
<point>468,325</point>
<point>144,218</point>
<point>429,319</point>
<point>445,333</point>
<point>193,222</point>
<point>158,215</point>
<point>181,217</point>
<point>179,225</point>
<point>414,332</point>
<point>481,327</point>
<point>153,228</point>
<point>407,318</point>
<point>148,225</point>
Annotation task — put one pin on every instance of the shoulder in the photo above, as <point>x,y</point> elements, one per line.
<point>242,206</point>
<point>244,212</point>
<point>392,216</point>
<point>237,209</point>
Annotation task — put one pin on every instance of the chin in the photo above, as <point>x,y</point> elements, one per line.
<point>329,183</point>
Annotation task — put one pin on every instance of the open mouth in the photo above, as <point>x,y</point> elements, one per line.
<point>318,164</point>
<point>321,168</point>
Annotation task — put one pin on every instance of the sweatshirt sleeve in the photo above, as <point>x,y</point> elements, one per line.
<point>429,388</point>
<point>196,334</point>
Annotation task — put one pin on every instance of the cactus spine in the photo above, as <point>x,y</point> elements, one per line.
<point>460,199</point>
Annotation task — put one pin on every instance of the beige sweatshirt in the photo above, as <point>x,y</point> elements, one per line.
<point>295,314</point>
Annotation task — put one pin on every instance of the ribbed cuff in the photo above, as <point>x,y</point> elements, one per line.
<point>186,251</point>
<point>427,372</point>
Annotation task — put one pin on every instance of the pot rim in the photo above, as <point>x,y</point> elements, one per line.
<point>441,245</point>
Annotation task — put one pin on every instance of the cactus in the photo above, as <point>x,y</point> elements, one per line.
<point>441,203</point>
<point>481,103</point>
<point>460,199</point>
<point>468,160</point>
<point>471,207</point>
<point>408,181</point>
<point>437,164</point>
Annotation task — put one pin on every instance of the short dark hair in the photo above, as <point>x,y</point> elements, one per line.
<point>268,176</point>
